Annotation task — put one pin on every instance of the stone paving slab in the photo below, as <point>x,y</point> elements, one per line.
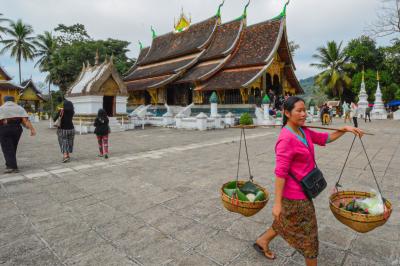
<point>156,200</point>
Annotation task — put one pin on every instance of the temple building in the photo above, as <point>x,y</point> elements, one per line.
<point>98,86</point>
<point>7,88</point>
<point>240,62</point>
<point>30,97</point>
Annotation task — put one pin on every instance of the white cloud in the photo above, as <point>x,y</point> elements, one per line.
<point>310,23</point>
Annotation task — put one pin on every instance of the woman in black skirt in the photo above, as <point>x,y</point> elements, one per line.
<point>66,130</point>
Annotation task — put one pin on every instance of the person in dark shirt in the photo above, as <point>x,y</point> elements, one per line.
<point>12,116</point>
<point>102,130</point>
<point>66,130</point>
<point>368,114</point>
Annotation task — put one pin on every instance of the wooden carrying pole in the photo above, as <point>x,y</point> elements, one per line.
<point>335,129</point>
<point>316,127</point>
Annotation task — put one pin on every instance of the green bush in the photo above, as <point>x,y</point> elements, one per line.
<point>245,119</point>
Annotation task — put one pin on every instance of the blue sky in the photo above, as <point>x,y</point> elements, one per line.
<point>310,23</point>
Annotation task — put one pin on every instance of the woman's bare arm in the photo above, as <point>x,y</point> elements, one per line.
<point>337,134</point>
<point>28,125</point>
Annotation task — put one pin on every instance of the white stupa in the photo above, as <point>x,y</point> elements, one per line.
<point>378,112</point>
<point>362,99</point>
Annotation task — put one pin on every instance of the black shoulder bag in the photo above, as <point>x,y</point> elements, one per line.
<point>313,183</point>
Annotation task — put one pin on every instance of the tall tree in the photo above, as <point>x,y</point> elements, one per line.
<point>388,20</point>
<point>20,45</point>
<point>70,34</point>
<point>3,29</point>
<point>335,66</point>
<point>68,59</point>
<point>392,61</point>
<point>364,53</point>
<point>46,45</point>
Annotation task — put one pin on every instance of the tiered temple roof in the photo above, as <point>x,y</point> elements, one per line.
<point>92,78</point>
<point>170,55</point>
<point>214,56</point>
<point>29,84</point>
<point>224,42</point>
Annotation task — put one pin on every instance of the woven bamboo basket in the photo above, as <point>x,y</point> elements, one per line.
<point>245,208</point>
<point>362,223</point>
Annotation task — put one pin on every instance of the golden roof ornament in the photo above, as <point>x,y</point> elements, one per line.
<point>183,22</point>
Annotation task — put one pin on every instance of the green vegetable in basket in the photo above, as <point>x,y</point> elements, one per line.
<point>231,185</point>
<point>229,191</point>
<point>240,195</point>
<point>260,196</point>
<point>249,187</point>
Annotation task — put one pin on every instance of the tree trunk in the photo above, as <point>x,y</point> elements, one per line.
<point>51,107</point>
<point>51,100</point>
<point>19,67</point>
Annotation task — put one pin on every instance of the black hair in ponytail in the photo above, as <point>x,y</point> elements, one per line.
<point>288,105</point>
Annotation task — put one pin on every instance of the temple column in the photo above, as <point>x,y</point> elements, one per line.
<point>263,87</point>
<point>161,95</point>
<point>221,96</point>
<point>154,95</point>
<point>244,94</point>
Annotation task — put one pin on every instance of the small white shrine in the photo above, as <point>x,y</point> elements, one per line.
<point>378,112</point>
<point>98,86</point>
<point>362,99</point>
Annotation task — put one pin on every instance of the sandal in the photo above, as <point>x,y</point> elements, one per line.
<point>266,253</point>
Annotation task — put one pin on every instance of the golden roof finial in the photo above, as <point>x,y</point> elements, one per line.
<point>377,75</point>
<point>183,23</point>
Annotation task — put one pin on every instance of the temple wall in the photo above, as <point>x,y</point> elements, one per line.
<point>87,105</point>
<point>29,95</point>
<point>121,102</point>
<point>13,93</point>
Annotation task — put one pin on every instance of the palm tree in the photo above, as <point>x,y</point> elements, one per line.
<point>20,44</point>
<point>335,66</point>
<point>2,28</point>
<point>46,45</point>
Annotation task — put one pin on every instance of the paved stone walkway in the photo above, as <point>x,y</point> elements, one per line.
<point>156,200</point>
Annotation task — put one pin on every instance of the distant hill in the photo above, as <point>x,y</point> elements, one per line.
<point>308,86</point>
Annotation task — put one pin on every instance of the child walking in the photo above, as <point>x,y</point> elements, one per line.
<point>102,130</point>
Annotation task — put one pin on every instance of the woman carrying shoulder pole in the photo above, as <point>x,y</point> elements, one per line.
<point>294,214</point>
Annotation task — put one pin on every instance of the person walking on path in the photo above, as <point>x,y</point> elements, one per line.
<point>354,114</point>
<point>294,214</point>
<point>368,114</point>
<point>12,116</point>
<point>66,130</point>
<point>325,114</point>
<point>102,130</point>
<point>346,112</point>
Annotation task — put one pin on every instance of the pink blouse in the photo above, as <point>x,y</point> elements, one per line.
<point>292,155</point>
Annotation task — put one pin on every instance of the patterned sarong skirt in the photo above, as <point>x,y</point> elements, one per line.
<point>66,139</point>
<point>298,226</point>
